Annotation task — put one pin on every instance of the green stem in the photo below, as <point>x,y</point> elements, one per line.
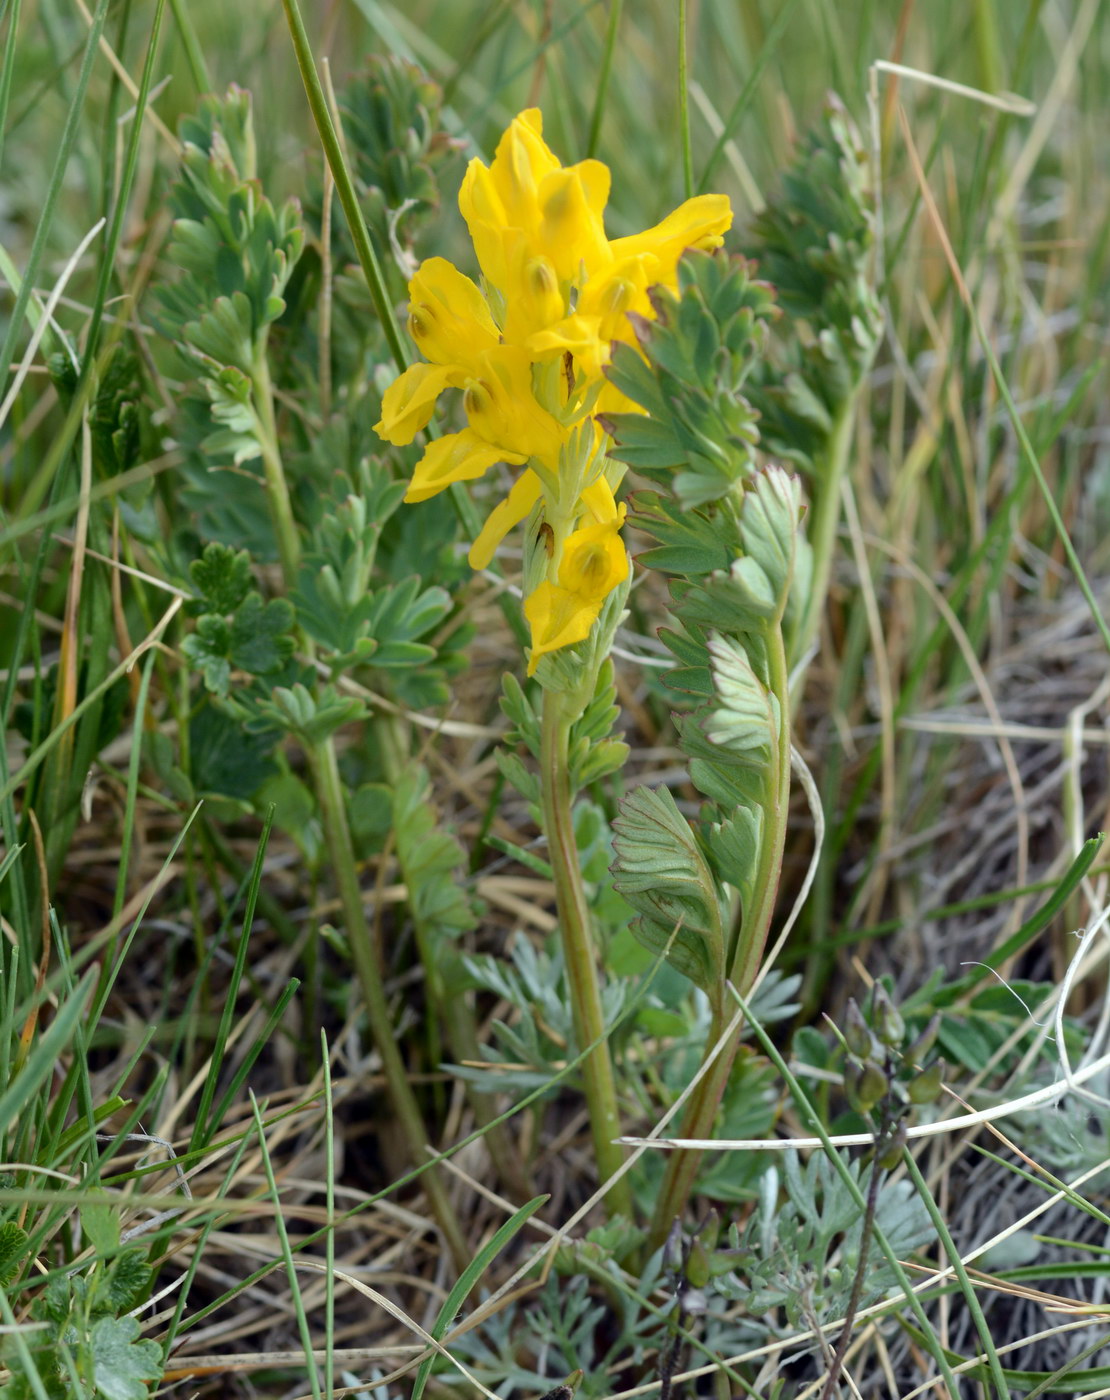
<point>329,792</point>
<point>603,77</point>
<point>824,517</point>
<point>684,104</point>
<point>277,488</point>
<point>578,949</point>
<point>701,1111</point>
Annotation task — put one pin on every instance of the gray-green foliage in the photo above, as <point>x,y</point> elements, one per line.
<point>801,1247</point>
<point>815,243</point>
<point>730,536</point>
<point>235,253</point>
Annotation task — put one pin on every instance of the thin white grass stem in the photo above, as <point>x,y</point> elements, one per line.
<point>1002,101</point>
<point>1049,1094</point>
<point>45,320</point>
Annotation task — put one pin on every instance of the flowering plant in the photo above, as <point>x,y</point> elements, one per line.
<point>528,349</point>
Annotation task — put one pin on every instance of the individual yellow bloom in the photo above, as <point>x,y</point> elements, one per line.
<point>455,457</point>
<point>525,204</point>
<point>521,163</point>
<point>594,562</point>
<point>572,229</point>
<point>698,223</point>
<point>448,316</point>
<point>502,409</point>
<point>408,403</point>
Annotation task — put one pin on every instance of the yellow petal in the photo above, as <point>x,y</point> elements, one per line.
<point>408,403</point>
<point>558,618</point>
<point>698,223</point>
<point>520,163</point>
<point>523,495</point>
<point>578,336</point>
<point>501,407</point>
<point>571,230</point>
<point>594,560</point>
<point>455,457</point>
<point>617,290</point>
<point>599,501</point>
<point>481,207</point>
<point>448,316</point>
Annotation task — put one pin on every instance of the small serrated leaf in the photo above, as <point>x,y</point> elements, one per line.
<point>260,640</point>
<point>222,576</point>
<point>122,1365</point>
<point>661,871</point>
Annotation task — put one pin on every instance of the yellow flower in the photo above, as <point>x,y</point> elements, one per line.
<point>528,351</point>
<point>448,316</point>
<point>526,198</point>
<point>594,562</point>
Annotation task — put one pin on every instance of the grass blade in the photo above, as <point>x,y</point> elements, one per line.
<point>468,1279</point>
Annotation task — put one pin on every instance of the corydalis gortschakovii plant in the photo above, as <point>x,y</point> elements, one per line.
<point>528,349</point>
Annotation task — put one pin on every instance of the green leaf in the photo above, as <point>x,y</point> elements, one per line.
<point>661,871</point>
<point>122,1365</point>
<point>260,641</point>
<point>468,1279</point>
<point>14,1247</point>
<point>225,758</point>
<point>222,576</point>
<point>100,1222</point>
<point>431,860</point>
<point>127,1281</point>
<point>312,718</point>
<point>745,720</point>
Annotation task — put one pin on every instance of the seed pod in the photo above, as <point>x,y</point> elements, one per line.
<point>925,1087</point>
<point>857,1033</point>
<point>892,1152</point>
<point>865,1084</point>
<point>889,1026</point>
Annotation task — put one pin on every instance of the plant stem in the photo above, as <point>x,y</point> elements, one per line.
<point>578,948</point>
<point>277,488</point>
<point>822,524</point>
<point>881,1142</point>
<point>701,1112</point>
<point>329,792</point>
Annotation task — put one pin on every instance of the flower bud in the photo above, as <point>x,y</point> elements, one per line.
<point>865,1085</point>
<point>697,1266</point>
<point>889,1026</point>
<point>672,1249</point>
<point>892,1153</point>
<point>857,1033</point>
<point>925,1087</point>
<point>925,1041</point>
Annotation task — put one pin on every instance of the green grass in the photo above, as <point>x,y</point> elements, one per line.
<point>196,1121</point>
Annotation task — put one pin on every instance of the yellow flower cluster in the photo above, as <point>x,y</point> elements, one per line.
<point>527,350</point>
